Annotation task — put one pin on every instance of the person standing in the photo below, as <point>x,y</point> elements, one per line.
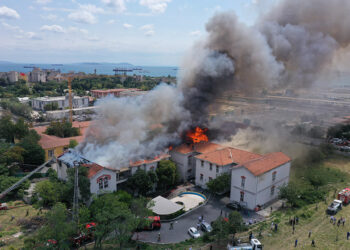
<point>159,237</point>
<point>313,243</point>
<point>296,243</point>
<point>293,229</point>
<point>276,227</point>
<point>171,226</point>
<point>310,233</point>
<point>347,235</point>
<point>297,220</point>
<point>343,221</point>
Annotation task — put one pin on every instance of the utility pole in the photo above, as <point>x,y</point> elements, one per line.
<point>76,193</point>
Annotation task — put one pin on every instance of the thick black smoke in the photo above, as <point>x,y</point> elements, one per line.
<point>289,47</point>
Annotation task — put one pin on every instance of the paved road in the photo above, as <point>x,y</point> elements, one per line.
<point>210,211</point>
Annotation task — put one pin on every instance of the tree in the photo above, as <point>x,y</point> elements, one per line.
<point>62,129</point>
<point>84,183</point>
<point>21,129</point>
<point>50,192</point>
<point>8,181</point>
<point>14,154</point>
<point>141,209</point>
<point>141,182</point>
<point>220,228</point>
<point>34,154</point>
<point>112,216</point>
<point>7,129</point>
<point>235,222</point>
<point>220,184</point>
<point>167,174</point>
<point>57,227</point>
<point>316,132</point>
<point>290,193</point>
<point>73,143</point>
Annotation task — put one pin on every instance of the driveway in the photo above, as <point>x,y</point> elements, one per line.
<point>211,211</point>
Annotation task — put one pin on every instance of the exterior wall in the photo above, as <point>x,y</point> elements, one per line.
<point>57,151</point>
<point>61,169</point>
<point>249,188</point>
<point>208,172</point>
<point>181,161</point>
<point>147,167</point>
<point>265,183</point>
<point>257,189</point>
<point>112,182</point>
<point>63,102</point>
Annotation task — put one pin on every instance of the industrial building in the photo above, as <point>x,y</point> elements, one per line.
<point>96,93</point>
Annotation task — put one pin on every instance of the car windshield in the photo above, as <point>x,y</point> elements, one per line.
<point>194,231</point>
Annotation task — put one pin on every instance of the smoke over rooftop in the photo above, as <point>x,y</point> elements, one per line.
<point>288,47</point>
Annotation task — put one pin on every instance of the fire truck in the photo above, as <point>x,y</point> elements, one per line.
<point>154,223</point>
<point>344,196</point>
<point>3,206</point>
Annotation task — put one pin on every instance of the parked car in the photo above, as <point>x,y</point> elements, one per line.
<point>234,205</point>
<point>193,232</point>
<point>206,227</point>
<point>335,206</point>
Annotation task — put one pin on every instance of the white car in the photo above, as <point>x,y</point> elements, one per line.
<point>193,232</point>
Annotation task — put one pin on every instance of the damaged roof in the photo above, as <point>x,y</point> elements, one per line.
<point>228,155</point>
<point>203,147</point>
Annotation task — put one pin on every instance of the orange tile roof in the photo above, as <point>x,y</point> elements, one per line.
<point>228,155</point>
<point>266,163</point>
<point>93,169</point>
<point>157,158</point>
<point>51,141</point>
<point>203,147</point>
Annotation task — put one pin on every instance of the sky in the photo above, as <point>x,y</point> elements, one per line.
<point>142,32</point>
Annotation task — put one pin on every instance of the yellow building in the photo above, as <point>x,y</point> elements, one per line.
<point>55,146</point>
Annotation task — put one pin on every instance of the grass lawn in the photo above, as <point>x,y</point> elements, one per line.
<point>9,228</point>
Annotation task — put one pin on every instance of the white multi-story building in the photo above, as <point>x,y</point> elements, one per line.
<point>11,76</point>
<point>102,179</point>
<point>148,164</point>
<point>62,102</point>
<point>184,154</point>
<point>37,75</point>
<point>257,182</point>
<point>255,179</point>
<point>212,164</point>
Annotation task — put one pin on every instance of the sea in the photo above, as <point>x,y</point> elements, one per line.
<point>89,68</point>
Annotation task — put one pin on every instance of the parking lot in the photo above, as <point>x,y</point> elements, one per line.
<point>211,211</point>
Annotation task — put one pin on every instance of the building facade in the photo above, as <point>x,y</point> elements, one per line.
<point>257,183</point>
<point>184,154</point>
<point>61,101</point>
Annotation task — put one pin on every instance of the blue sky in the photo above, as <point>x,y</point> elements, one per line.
<point>142,32</point>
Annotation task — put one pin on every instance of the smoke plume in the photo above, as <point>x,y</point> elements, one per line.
<point>288,47</point>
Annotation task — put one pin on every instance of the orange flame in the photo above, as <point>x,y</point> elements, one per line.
<point>198,135</point>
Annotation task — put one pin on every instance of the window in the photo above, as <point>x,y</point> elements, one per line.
<point>202,163</point>
<point>272,190</point>
<point>106,182</point>
<point>51,152</point>
<point>242,181</point>
<point>274,176</point>
<point>210,179</point>
<point>210,166</point>
<point>241,198</point>
<point>217,169</point>
<point>201,177</point>
<point>100,184</point>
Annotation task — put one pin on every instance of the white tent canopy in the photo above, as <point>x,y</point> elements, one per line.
<point>163,206</point>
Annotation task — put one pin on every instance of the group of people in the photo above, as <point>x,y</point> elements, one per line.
<point>333,220</point>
